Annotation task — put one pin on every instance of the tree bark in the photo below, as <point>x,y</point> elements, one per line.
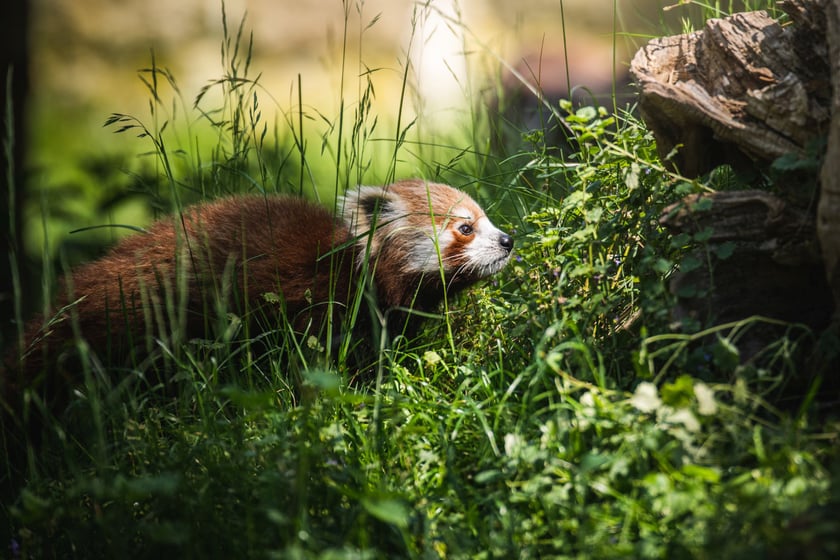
<point>741,89</point>
<point>746,90</point>
<point>765,260</point>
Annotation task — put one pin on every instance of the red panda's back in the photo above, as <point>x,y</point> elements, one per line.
<point>154,284</point>
<point>286,246</point>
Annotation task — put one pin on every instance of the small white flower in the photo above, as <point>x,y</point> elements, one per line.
<point>431,357</point>
<point>706,404</point>
<point>646,398</point>
<point>686,418</point>
<point>513,445</point>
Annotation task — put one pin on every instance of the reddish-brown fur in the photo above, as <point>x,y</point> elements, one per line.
<point>226,255</point>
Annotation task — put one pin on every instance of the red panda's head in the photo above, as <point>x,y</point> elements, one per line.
<point>413,229</point>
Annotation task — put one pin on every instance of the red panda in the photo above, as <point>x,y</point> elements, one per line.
<point>410,243</point>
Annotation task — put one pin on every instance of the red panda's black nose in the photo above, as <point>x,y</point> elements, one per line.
<point>506,241</point>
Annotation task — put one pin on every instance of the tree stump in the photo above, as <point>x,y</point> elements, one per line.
<point>745,90</point>
<point>741,89</point>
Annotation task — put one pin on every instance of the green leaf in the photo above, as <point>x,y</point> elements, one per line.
<point>587,113</point>
<point>702,204</point>
<point>593,461</point>
<point>689,263</point>
<point>794,162</point>
<point>725,250</point>
<point>704,235</point>
<point>680,240</point>
<point>485,477</point>
<point>706,474</point>
<point>680,392</point>
<point>725,354</point>
<point>388,510</point>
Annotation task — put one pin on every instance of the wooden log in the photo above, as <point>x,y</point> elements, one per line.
<point>742,89</point>
<point>764,260</point>
<point>747,90</point>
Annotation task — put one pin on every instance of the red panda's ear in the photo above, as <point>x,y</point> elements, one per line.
<point>367,208</point>
<point>375,204</point>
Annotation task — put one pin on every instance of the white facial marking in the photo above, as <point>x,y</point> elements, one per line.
<point>428,251</point>
<point>462,214</point>
<point>485,255</point>
<point>424,254</point>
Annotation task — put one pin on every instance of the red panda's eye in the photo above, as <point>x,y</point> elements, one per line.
<point>465,229</point>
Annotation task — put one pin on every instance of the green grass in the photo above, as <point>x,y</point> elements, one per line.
<point>555,411</point>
